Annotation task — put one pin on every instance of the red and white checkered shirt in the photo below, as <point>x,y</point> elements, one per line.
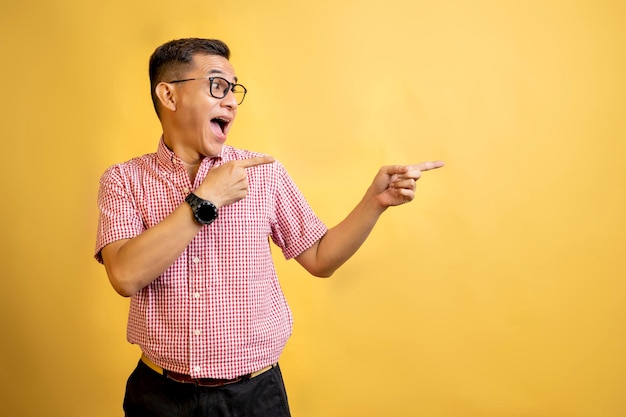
<point>218,311</point>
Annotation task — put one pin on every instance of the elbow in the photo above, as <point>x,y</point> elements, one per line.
<point>325,268</point>
<point>322,273</point>
<point>125,279</point>
<point>121,283</point>
<point>317,265</point>
<point>123,288</point>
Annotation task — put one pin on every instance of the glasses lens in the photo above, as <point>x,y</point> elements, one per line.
<point>240,92</point>
<point>219,87</point>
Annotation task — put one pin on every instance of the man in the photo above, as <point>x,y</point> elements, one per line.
<point>184,232</point>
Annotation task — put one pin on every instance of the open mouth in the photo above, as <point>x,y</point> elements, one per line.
<point>219,125</point>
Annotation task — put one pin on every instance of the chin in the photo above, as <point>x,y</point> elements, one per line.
<point>214,150</point>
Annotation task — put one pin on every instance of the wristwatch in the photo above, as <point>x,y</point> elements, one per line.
<point>204,211</point>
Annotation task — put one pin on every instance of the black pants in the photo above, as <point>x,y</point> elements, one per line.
<point>149,394</point>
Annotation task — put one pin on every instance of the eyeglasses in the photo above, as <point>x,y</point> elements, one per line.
<point>219,87</point>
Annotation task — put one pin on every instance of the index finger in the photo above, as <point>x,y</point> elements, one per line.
<point>257,160</point>
<point>428,165</point>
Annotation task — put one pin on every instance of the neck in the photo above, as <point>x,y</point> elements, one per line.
<point>191,162</point>
<point>192,170</point>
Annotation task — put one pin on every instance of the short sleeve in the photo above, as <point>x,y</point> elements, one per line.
<point>119,216</point>
<point>295,227</point>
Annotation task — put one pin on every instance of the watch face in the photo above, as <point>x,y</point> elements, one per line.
<point>206,212</point>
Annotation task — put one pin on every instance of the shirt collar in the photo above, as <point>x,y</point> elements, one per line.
<point>171,162</point>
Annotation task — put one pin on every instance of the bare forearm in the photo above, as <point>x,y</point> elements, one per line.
<point>134,263</point>
<point>343,240</point>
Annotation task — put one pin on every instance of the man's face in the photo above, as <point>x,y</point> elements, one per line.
<point>202,121</point>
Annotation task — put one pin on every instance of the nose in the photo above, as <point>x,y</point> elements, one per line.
<point>230,100</point>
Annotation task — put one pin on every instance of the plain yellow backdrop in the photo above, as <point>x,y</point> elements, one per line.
<point>499,292</point>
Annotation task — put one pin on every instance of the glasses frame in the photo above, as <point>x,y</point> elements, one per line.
<point>231,86</point>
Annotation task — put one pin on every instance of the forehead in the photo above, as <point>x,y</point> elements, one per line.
<point>207,65</point>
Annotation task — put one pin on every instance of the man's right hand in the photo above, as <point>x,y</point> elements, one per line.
<point>228,183</point>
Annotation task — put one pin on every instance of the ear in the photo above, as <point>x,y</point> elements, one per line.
<point>167,95</point>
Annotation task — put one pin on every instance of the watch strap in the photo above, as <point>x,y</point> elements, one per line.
<point>204,211</point>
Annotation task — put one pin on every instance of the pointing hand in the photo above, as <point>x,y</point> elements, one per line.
<point>395,184</point>
<point>228,183</point>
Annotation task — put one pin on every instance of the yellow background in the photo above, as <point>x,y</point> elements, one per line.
<point>499,292</point>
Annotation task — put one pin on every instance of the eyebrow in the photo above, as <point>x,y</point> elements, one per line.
<point>216,71</point>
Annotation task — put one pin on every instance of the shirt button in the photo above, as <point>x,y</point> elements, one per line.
<point>196,260</point>
<point>197,368</point>
<point>196,295</point>
<point>197,332</point>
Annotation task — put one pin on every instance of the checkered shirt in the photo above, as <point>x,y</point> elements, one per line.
<point>218,311</point>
